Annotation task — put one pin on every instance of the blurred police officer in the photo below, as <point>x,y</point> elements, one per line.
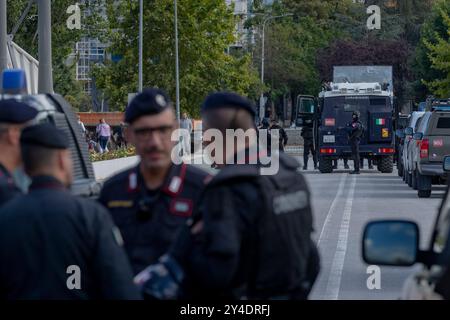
<point>355,133</point>
<point>54,245</point>
<point>251,236</point>
<point>308,144</point>
<point>283,137</point>
<point>151,201</point>
<point>13,118</point>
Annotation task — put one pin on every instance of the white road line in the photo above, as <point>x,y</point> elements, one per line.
<point>335,276</point>
<point>332,207</point>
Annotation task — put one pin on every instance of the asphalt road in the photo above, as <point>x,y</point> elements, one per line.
<point>343,204</point>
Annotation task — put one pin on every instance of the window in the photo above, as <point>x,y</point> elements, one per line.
<point>443,123</point>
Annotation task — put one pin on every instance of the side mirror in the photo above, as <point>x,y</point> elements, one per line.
<point>409,131</point>
<point>400,133</point>
<point>418,136</point>
<point>391,243</point>
<point>447,163</point>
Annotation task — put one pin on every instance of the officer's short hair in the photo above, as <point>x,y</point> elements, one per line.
<point>37,157</point>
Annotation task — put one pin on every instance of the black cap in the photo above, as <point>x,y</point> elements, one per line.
<point>148,102</point>
<point>15,112</point>
<point>221,100</point>
<point>44,135</point>
<point>356,113</point>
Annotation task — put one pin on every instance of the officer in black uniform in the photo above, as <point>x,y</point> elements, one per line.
<point>283,137</point>
<point>14,116</point>
<point>355,133</point>
<point>308,145</point>
<point>251,236</point>
<point>54,245</point>
<point>150,202</point>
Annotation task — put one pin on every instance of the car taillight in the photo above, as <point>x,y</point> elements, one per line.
<point>386,150</point>
<point>424,146</point>
<point>330,122</point>
<point>327,151</point>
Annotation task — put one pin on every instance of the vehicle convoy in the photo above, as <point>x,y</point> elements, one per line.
<point>53,108</point>
<point>432,144</point>
<point>366,90</point>
<point>396,243</point>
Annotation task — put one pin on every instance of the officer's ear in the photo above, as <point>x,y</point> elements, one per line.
<point>12,134</point>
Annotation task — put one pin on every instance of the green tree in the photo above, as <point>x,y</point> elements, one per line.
<point>432,31</point>
<point>206,30</point>
<point>63,40</point>
<point>440,60</point>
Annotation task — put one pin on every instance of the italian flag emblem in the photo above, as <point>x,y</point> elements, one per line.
<point>380,122</point>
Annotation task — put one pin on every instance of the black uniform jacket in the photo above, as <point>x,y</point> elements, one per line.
<point>150,220</point>
<point>8,189</point>
<point>57,246</point>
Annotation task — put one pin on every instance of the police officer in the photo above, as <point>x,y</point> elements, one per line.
<point>54,245</point>
<point>308,144</point>
<point>251,236</point>
<point>355,133</point>
<point>151,201</point>
<point>283,137</point>
<point>14,116</point>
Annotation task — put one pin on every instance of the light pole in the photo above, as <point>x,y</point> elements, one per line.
<point>177,62</point>
<point>261,100</point>
<point>45,77</point>
<point>141,44</point>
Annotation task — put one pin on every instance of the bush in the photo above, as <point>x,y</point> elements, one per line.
<point>114,154</point>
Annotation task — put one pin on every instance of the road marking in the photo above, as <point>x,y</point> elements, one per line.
<point>332,207</point>
<point>335,276</point>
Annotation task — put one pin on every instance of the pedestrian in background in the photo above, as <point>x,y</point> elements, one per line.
<point>104,134</point>
<point>186,124</point>
<point>82,127</point>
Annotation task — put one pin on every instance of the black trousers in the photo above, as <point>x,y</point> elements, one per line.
<point>355,154</point>
<point>309,148</point>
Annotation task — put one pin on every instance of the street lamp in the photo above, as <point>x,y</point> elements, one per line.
<point>261,100</point>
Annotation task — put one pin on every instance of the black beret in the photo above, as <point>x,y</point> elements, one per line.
<point>221,100</point>
<point>15,112</point>
<point>44,135</point>
<point>148,102</point>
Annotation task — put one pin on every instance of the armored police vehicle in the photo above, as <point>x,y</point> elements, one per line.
<point>333,115</point>
<point>54,109</point>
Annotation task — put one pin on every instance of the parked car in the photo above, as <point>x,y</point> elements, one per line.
<point>432,145</point>
<point>396,243</point>
<point>409,132</point>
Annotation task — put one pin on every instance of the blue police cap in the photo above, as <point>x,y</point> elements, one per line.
<point>14,81</point>
<point>221,100</point>
<point>148,102</point>
<point>44,135</point>
<point>15,112</point>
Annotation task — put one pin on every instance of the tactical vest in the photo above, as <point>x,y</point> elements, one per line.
<point>282,244</point>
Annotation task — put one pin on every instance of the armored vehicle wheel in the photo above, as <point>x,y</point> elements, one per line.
<point>325,165</point>
<point>386,164</point>
<point>424,193</point>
